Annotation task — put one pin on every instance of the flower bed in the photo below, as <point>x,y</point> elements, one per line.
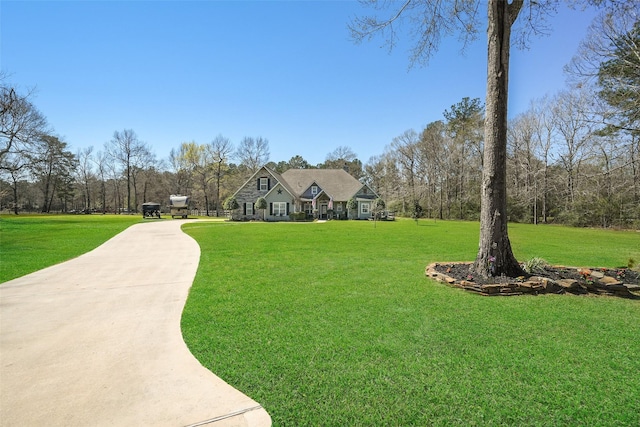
<point>621,282</point>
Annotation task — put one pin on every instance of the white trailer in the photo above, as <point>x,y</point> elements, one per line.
<point>179,205</point>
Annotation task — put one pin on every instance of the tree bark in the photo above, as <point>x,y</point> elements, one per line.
<point>218,191</point>
<point>15,192</point>
<point>128,154</point>
<point>495,256</point>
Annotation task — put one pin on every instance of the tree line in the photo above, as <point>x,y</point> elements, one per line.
<point>572,157</point>
<point>563,166</point>
<point>40,173</point>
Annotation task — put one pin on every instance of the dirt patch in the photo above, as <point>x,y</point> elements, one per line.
<point>621,282</point>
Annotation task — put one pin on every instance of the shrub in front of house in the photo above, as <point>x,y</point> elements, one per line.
<point>352,205</point>
<point>229,205</point>
<point>262,205</point>
<point>298,216</point>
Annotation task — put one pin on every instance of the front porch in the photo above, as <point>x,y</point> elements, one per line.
<point>323,208</point>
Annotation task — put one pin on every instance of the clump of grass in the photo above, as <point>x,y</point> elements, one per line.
<point>535,265</point>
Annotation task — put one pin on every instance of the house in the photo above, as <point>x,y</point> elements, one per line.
<point>319,193</point>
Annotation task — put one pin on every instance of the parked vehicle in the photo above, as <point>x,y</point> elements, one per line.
<point>179,205</point>
<point>150,210</point>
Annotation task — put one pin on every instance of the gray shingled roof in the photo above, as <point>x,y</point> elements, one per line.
<point>336,183</point>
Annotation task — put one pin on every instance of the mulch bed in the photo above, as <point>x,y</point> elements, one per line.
<point>621,282</point>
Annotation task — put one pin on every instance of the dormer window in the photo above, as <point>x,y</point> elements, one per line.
<point>314,190</point>
<point>264,184</point>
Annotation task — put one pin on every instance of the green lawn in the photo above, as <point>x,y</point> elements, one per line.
<point>31,242</point>
<point>335,324</point>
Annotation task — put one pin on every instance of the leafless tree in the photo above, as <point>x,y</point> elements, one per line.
<point>127,150</point>
<point>181,178</point>
<point>544,147</point>
<point>220,150</point>
<point>575,130</point>
<point>529,143</point>
<point>382,174</point>
<point>608,61</point>
<point>343,157</point>
<point>115,176</point>
<point>143,161</point>
<point>52,166</point>
<point>16,168</point>
<point>253,153</point>
<point>101,164</point>
<point>196,160</point>
<point>434,145</point>
<point>406,152</point>
<point>21,124</point>
<point>84,172</point>
<point>608,32</point>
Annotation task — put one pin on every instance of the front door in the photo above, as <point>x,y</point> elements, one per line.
<point>323,211</point>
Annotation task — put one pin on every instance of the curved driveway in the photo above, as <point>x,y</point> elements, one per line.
<point>96,341</point>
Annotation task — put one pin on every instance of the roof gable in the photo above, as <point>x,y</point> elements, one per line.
<point>283,182</point>
<point>278,185</point>
<point>308,192</point>
<point>260,171</point>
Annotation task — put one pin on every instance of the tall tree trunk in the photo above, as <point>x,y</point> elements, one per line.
<point>47,184</point>
<point>103,189</point>
<point>441,213</point>
<point>128,186</point>
<point>116,196</point>
<point>53,192</point>
<point>134,182</point>
<point>461,188</point>
<point>144,191</point>
<point>15,193</point>
<point>635,155</point>
<point>218,191</point>
<point>544,194</point>
<point>86,188</point>
<point>495,256</point>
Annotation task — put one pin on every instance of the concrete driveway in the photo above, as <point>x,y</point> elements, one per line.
<point>96,341</point>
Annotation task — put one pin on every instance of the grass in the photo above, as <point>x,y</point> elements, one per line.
<point>32,242</point>
<point>335,324</point>
<point>587,247</point>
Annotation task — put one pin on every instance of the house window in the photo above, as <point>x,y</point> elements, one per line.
<point>308,208</point>
<point>279,208</point>
<point>249,208</point>
<point>264,184</point>
<point>364,208</point>
<point>339,207</point>
<point>314,190</point>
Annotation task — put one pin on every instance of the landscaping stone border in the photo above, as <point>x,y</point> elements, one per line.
<point>599,284</point>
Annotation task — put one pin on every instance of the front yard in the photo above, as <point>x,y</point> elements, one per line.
<point>336,324</point>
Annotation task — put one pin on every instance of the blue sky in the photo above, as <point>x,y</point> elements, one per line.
<point>285,70</point>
